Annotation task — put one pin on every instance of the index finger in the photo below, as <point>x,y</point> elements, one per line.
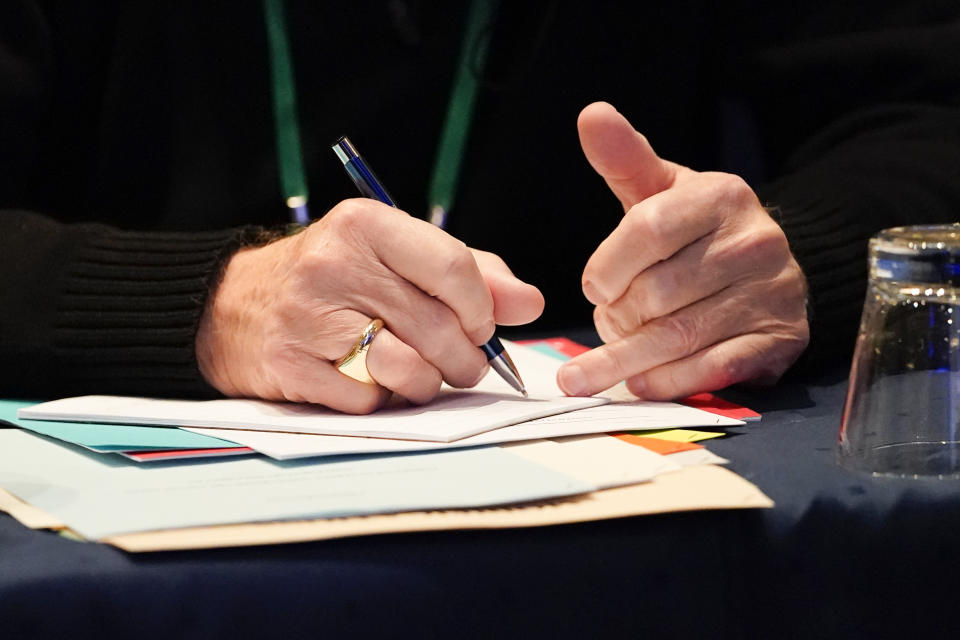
<point>436,263</point>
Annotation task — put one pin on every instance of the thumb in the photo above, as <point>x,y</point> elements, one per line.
<point>621,155</point>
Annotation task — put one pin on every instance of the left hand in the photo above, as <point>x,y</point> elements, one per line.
<point>696,289</point>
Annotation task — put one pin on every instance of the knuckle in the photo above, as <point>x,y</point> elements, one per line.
<point>614,323</point>
<point>719,368</point>
<point>480,326</point>
<point>795,283</point>
<point>356,222</point>
<point>791,346</point>
<point>326,260</point>
<point>647,223</point>
<point>683,333</point>
<point>456,262</point>
<point>591,274</point>
<point>348,213</point>
<point>484,329</point>
<point>767,244</point>
<point>621,325</point>
<point>787,297</point>
<point>655,301</point>
<point>733,188</point>
<point>727,370</point>
<point>603,326</point>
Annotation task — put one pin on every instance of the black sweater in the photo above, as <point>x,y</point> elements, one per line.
<point>137,149</point>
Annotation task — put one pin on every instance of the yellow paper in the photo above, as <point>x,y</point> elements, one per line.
<point>678,435</point>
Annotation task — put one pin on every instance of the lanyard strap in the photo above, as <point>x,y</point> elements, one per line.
<point>456,125</point>
<point>293,180</point>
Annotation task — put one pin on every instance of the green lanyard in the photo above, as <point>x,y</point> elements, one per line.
<point>293,179</point>
<point>456,125</point>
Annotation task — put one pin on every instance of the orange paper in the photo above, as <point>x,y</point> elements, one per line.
<point>663,447</point>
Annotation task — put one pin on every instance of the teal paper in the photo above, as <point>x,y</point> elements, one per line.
<point>107,438</point>
<point>547,350</point>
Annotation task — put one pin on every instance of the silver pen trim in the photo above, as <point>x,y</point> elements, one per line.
<point>504,366</point>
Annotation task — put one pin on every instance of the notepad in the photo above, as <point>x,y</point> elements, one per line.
<point>452,415</point>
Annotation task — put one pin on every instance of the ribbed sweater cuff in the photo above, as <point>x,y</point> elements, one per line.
<point>131,306</point>
<point>829,244</point>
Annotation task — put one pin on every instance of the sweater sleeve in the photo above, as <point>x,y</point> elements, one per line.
<point>891,167</point>
<point>91,309</point>
<point>870,139</point>
<point>84,307</point>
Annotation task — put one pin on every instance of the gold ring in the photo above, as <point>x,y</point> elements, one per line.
<point>354,364</point>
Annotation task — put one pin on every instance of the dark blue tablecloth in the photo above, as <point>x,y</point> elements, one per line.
<point>841,555</point>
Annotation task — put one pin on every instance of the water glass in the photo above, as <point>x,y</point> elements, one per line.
<point>902,412</point>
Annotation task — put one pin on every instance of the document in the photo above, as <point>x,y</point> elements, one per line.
<point>454,414</point>
<point>698,484</point>
<point>598,460</point>
<point>98,496</point>
<point>621,416</point>
<point>692,488</point>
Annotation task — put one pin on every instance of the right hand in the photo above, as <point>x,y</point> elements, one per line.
<point>284,312</point>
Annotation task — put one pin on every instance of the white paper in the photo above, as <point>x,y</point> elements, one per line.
<point>454,414</point>
<point>629,416</point>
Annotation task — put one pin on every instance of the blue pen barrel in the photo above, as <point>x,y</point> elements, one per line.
<point>492,348</point>
<point>360,173</point>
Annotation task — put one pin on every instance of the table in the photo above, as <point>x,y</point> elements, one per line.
<point>841,555</point>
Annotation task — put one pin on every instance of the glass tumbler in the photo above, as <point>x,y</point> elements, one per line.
<point>902,412</point>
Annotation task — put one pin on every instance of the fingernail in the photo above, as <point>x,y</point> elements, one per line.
<point>592,293</point>
<point>571,380</point>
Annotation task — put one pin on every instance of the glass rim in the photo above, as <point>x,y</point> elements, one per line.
<point>918,239</point>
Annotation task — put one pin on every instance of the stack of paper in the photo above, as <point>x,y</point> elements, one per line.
<point>418,460</point>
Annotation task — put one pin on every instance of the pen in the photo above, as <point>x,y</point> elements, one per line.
<point>370,187</point>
